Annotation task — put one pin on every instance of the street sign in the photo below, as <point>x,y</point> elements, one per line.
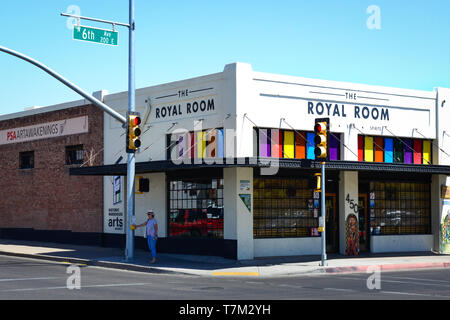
<point>101,36</point>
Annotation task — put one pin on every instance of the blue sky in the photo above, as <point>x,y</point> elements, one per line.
<point>178,39</point>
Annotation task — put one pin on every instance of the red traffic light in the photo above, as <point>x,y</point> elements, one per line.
<point>137,121</point>
<point>133,133</point>
<point>320,126</point>
<point>134,120</point>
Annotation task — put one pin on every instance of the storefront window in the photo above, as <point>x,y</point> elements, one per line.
<point>284,208</point>
<point>196,207</point>
<point>399,208</point>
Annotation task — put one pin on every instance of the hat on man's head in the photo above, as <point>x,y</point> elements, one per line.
<point>150,212</point>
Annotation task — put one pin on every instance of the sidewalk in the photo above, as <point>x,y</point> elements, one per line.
<point>217,266</point>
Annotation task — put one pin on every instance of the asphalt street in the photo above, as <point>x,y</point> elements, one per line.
<point>29,279</point>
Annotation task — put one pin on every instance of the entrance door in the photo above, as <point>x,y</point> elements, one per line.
<point>331,223</point>
<point>363,223</point>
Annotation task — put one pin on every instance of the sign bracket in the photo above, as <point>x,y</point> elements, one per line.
<point>113,23</point>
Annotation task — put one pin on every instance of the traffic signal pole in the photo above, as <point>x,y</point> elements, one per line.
<point>67,83</point>
<point>323,214</point>
<point>131,161</point>
<point>321,152</point>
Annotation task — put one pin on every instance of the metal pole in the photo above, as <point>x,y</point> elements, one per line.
<point>95,19</point>
<point>66,82</point>
<point>324,243</point>
<point>129,251</point>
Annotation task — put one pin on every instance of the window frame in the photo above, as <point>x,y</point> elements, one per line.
<point>22,156</point>
<point>74,148</point>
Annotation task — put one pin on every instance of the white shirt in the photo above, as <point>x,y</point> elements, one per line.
<point>151,227</point>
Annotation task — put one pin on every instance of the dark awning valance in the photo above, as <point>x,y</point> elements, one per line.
<point>300,164</point>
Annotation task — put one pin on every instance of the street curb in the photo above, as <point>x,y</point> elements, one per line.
<point>388,267</point>
<point>95,263</point>
<point>148,269</point>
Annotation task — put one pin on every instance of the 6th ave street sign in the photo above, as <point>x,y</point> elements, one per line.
<point>90,34</point>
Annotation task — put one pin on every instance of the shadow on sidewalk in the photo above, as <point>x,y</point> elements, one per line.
<point>179,261</point>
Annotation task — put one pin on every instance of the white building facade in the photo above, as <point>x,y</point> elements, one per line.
<point>228,160</point>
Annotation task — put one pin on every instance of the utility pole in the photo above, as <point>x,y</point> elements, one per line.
<point>323,215</point>
<point>131,218</point>
<point>129,251</point>
<point>67,83</point>
<point>321,152</point>
<point>131,160</point>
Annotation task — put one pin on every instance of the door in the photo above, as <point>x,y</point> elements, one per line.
<point>364,235</point>
<point>331,223</point>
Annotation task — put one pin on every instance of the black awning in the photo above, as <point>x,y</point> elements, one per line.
<point>300,164</point>
<point>164,166</point>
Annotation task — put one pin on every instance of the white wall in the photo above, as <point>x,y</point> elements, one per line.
<point>287,247</point>
<point>267,98</point>
<point>180,94</point>
<point>238,220</point>
<point>246,100</point>
<point>443,127</point>
<point>290,97</point>
<point>401,243</point>
<point>156,200</point>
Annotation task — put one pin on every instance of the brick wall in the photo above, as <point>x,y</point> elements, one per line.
<point>47,197</point>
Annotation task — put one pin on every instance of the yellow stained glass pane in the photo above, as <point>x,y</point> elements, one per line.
<point>368,149</point>
<point>289,145</point>
<point>201,145</point>
<point>426,152</point>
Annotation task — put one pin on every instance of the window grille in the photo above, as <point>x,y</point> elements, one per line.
<point>196,207</point>
<point>284,208</point>
<point>399,208</point>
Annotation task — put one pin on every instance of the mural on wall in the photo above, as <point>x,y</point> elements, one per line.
<point>445,234</point>
<point>351,236</point>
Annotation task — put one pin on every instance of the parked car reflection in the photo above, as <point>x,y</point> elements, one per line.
<point>395,218</point>
<point>196,222</point>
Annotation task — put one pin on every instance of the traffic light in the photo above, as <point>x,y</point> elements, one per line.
<point>134,131</point>
<point>142,185</point>
<point>321,130</point>
<point>318,182</point>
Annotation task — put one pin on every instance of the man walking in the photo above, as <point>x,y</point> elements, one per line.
<point>151,232</point>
